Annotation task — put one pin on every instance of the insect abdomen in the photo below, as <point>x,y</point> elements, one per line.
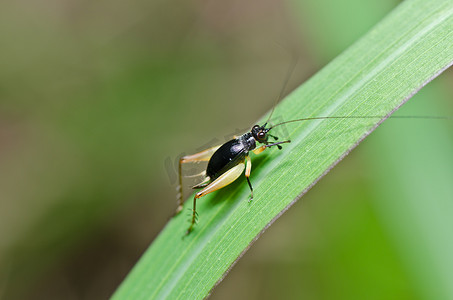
<point>227,156</point>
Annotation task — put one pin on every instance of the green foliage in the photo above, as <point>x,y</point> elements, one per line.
<point>373,77</point>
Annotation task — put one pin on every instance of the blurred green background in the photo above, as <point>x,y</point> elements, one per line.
<point>99,99</point>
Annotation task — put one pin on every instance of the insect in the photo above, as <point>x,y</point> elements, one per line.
<point>228,161</point>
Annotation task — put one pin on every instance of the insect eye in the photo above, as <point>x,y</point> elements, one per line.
<point>261,135</point>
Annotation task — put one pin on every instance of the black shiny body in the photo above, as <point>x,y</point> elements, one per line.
<point>230,154</point>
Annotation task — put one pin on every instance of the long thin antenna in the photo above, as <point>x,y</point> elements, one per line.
<point>366,117</point>
<point>285,83</point>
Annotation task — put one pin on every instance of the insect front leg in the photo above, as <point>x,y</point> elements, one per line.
<point>204,155</point>
<point>222,181</point>
<point>262,148</point>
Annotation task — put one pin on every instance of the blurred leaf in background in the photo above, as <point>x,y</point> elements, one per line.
<point>99,99</point>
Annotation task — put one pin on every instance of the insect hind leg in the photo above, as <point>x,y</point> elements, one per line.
<point>220,182</point>
<point>204,155</point>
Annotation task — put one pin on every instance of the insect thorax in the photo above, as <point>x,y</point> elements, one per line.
<point>248,141</point>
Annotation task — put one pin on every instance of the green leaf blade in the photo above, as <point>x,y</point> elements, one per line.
<point>372,78</point>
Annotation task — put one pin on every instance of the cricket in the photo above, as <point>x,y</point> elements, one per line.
<point>227,162</point>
